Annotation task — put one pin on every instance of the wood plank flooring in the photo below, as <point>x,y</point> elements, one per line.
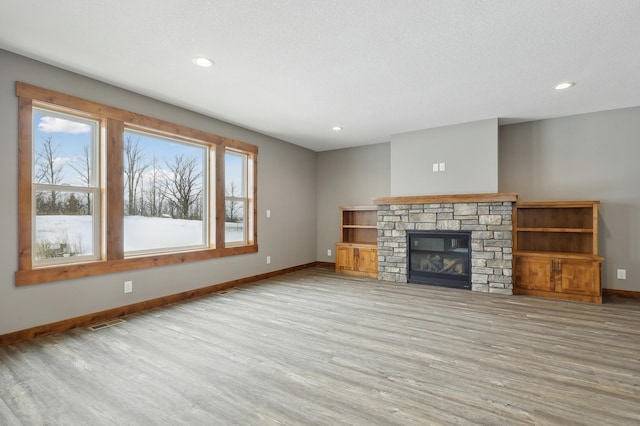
<point>316,348</point>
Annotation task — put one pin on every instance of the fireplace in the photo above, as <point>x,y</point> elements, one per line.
<point>441,258</point>
<point>488,217</point>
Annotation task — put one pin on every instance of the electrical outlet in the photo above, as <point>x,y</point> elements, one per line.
<point>329,252</point>
<point>622,274</point>
<point>435,167</point>
<point>128,286</point>
<point>441,167</point>
<point>268,260</point>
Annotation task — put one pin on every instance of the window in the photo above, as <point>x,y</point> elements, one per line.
<point>236,200</point>
<point>165,193</point>
<point>66,191</point>
<point>103,190</point>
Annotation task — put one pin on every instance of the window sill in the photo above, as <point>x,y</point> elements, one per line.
<point>80,270</point>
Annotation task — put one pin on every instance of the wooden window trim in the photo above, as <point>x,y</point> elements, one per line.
<point>114,203</point>
<point>113,259</point>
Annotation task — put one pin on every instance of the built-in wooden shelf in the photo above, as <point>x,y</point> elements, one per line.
<point>357,252</point>
<point>555,250</point>
<point>563,230</point>
<point>558,255</point>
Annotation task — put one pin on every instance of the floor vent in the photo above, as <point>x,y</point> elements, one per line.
<point>106,324</point>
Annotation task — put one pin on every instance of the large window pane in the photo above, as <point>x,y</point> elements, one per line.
<point>234,227</point>
<point>165,193</point>
<point>235,197</point>
<point>64,149</point>
<point>65,183</point>
<point>64,225</point>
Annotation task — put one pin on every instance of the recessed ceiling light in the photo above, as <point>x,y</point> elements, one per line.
<point>336,128</point>
<point>564,85</point>
<point>201,61</point>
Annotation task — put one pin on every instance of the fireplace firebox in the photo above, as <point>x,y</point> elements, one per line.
<point>441,258</point>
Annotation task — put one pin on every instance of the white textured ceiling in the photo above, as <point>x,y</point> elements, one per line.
<point>292,69</point>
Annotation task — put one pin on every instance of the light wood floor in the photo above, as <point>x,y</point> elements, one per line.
<point>316,348</point>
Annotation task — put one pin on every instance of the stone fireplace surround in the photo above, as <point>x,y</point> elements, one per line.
<point>487,216</point>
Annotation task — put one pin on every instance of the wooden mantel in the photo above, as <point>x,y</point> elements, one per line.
<point>453,198</point>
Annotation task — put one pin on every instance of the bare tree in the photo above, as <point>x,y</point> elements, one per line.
<point>232,207</point>
<point>48,172</point>
<point>82,166</point>
<point>184,186</point>
<point>155,193</point>
<point>134,168</point>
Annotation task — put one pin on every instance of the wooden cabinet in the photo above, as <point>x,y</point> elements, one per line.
<point>556,250</point>
<point>534,274</point>
<point>345,258</point>
<point>357,259</point>
<point>578,277</point>
<point>568,276</point>
<point>357,253</point>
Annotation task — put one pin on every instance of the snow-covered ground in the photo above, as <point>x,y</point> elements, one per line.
<point>140,233</point>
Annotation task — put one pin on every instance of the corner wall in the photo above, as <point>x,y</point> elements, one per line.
<point>347,177</point>
<point>584,157</point>
<point>286,186</point>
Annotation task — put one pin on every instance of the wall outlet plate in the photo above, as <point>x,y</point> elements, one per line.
<point>128,286</point>
<point>329,252</point>
<point>268,260</point>
<point>622,274</point>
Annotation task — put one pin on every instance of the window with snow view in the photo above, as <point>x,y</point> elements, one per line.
<point>66,188</point>
<point>102,189</point>
<point>235,199</point>
<point>165,193</point>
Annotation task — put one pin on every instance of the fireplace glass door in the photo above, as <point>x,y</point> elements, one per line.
<point>440,258</point>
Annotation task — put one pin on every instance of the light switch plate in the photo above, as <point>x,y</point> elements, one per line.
<point>622,274</point>
<point>435,167</point>
<point>441,167</point>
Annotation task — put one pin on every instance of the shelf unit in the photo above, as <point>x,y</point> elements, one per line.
<point>357,252</point>
<point>359,224</point>
<point>555,247</point>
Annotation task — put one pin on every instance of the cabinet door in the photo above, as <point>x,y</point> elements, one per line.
<point>345,259</point>
<point>534,273</point>
<point>578,277</point>
<point>367,260</point>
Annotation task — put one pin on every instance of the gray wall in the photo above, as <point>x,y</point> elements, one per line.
<point>286,186</point>
<point>585,157</point>
<point>348,177</point>
<point>469,151</point>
